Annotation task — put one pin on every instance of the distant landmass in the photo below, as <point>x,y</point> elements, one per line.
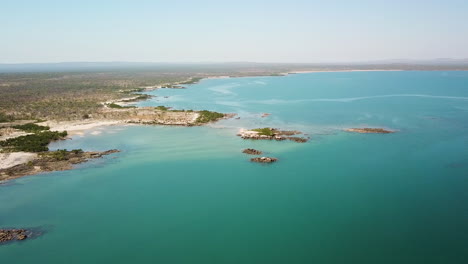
<point>402,64</point>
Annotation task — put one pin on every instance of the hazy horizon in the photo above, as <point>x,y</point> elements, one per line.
<point>243,31</point>
<point>379,61</point>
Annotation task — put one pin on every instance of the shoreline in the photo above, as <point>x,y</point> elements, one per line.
<point>318,71</point>
<point>80,127</point>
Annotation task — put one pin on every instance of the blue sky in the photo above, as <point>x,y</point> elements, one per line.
<point>241,30</point>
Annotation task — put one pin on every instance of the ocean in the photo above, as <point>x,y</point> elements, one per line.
<point>188,194</point>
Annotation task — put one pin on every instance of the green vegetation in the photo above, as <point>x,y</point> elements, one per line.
<point>165,108</point>
<point>113,105</point>
<point>6,118</point>
<point>136,90</point>
<point>32,128</point>
<point>60,154</point>
<point>32,143</point>
<point>264,131</point>
<point>138,98</point>
<point>173,86</point>
<point>77,151</point>
<point>161,108</point>
<point>208,116</point>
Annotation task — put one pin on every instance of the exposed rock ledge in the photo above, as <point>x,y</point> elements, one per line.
<point>264,159</point>
<point>251,151</point>
<point>59,160</point>
<point>369,130</point>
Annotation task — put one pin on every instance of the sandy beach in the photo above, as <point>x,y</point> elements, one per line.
<point>79,127</point>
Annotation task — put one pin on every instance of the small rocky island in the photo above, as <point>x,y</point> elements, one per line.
<point>251,151</point>
<point>264,159</point>
<point>7,235</point>
<point>369,130</point>
<point>271,134</point>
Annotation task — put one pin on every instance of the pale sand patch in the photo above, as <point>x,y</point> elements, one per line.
<point>78,127</point>
<point>8,160</point>
<point>195,117</point>
<point>218,77</point>
<point>12,134</point>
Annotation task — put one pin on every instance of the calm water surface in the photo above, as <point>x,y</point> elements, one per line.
<point>188,195</point>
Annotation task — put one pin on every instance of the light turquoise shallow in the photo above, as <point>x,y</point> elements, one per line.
<point>188,195</point>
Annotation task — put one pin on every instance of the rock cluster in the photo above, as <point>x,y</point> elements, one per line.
<point>12,234</point>
<point>264,159</point>
<point>258,136</point>
<point>252,151</point>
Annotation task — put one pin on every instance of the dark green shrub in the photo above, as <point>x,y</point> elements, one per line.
<point>32,128</point>
<point>208,116</point>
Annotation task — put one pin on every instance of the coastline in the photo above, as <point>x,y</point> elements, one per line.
<point>138,116</point>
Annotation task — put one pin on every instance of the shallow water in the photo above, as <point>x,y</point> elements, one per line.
<point>188,195</point>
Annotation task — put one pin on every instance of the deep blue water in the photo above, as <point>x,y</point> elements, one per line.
<point>188,195</point>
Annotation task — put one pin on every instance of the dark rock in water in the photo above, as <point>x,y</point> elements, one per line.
<point>96,154</point>
<point>264,159</point>
<point>298,139</point>
<point>252,151</point>
<point>7,235</point>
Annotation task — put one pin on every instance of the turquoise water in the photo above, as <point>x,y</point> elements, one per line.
<point>188,195</point>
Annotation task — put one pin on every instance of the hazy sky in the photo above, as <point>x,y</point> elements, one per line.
<point>237,30</point>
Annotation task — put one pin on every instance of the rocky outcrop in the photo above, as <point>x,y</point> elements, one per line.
<point>59,160</point>
<point>251,151</point>
<point>258,136</point>
<point>7,235</point>
<point>264,159</point>
<point>370,130</point>
<point>271,134</point>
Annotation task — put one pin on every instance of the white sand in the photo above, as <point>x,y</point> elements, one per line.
<point>78,127</point>
<point>8,160</point>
